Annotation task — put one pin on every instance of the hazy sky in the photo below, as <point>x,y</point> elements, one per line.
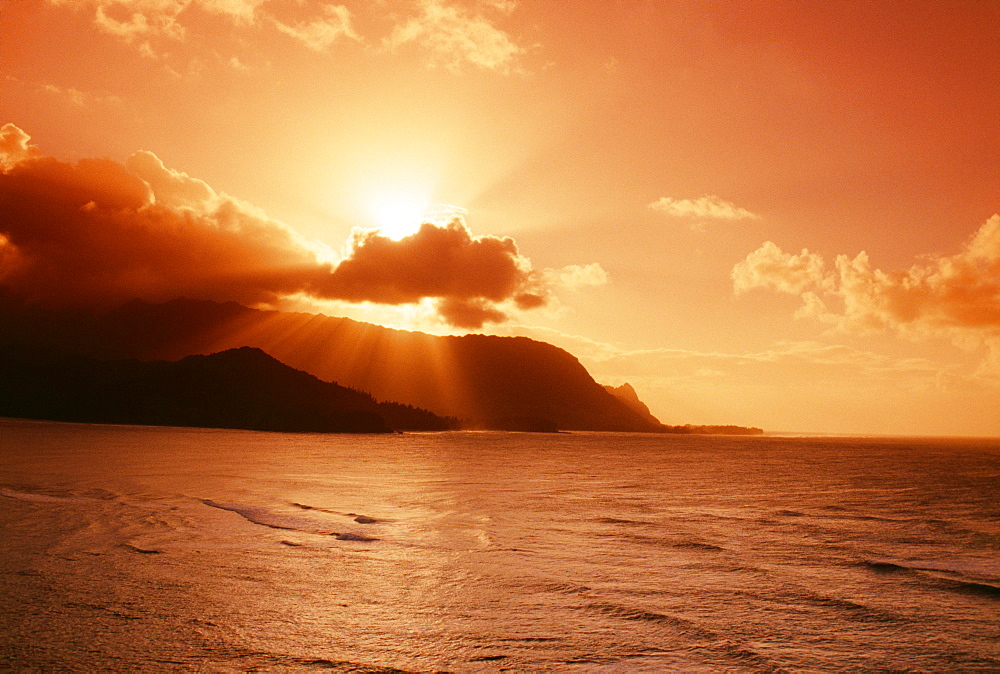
<point>638,182</point>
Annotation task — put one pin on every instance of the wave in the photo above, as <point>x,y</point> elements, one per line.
<point>245,659</point>
<point>641,615</point>
<point>141,550</point>
<point>561,588</point>
<point>855,610</point>
<point>945,574</point>
<point>695,545</point>
<point>884,567</point>
<point>800,599</point>
<point>360,519</point>
<point>725,650</point>
<point>662,541</point>
<point>744,655</point>
<point>303,506</point>
<point>268,517</point>
<point>615,520</point>
<point>980,589</point>
<point>31,497</point>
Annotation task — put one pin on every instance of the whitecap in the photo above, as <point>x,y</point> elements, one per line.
<point>268,517</point>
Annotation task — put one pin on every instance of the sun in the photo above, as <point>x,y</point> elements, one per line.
<point>398,214</point>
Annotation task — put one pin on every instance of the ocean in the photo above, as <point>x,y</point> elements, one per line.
<point>169,549</point>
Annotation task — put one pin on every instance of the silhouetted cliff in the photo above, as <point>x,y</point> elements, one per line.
<point>480,379</point>
<point>627,395</point>
<point>240,388</point>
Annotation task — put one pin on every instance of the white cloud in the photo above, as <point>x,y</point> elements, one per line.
<point>708,207</point>
<point>139,21</point>
<point>239,9</point>
<point>452,35</point>
<point>770,267</point>
<point>78,97</point>
<point>14,146</point>
<point>955,297</point>
<point>455,38</point>
<point>320,33</point>
<point>160,20</point>
<point>575,276</point>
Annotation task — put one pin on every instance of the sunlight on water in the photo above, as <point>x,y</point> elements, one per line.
<point>151,548</point>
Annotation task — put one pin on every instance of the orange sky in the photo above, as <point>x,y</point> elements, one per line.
<point>660,167</point>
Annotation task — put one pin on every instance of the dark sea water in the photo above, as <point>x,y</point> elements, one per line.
<point>152,549</point>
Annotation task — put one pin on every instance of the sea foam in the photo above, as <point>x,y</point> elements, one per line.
<point>269,517</point>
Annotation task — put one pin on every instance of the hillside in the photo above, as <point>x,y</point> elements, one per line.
<point>239,388</point>
<point>487,381</point>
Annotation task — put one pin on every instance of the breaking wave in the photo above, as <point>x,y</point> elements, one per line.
<point>953,576</point>
<point>267,517</point>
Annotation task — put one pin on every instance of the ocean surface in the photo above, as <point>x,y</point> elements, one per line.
<point>153,549</point>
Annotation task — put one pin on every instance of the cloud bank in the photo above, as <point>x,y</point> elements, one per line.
<point>96,233</point>
<point>955,296</point>
<point>451,34</point>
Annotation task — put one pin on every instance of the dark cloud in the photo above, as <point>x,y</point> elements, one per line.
<point>98,232</point>
<point>95,234</point>
<point>443,261</point>
<point>469,314</point>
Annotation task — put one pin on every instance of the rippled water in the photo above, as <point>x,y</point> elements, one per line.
<point>152,549</point>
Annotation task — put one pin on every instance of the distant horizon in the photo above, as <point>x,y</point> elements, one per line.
<point>766,434</point>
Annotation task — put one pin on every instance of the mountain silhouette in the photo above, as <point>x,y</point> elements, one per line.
<point>627,395</point>
<point>511,383</point>
<point>238,388</point>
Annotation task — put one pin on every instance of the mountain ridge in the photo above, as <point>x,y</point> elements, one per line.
<point>482,381</point>
<point>486,381</point>
<point>241,388</point>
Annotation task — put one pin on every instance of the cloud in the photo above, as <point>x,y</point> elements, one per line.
<point>470,274</point>
<point>79,98</point>
<point>98,232</point>
<point>955,297</point>
<point>160,20</point>
<point>142,22</point>
<point>770,267</point>
<point>452,34</point>
<point>241,9</point>
<point>469,314</point>
<point>14,146</point>
<point>574,276</point>
<point>322,32</point>
<point>455,38</point>
<point>147,24</point>
<point>702,208</point>
<point>682,363</point>
<point>95,233</point>
<point>154,11</point>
